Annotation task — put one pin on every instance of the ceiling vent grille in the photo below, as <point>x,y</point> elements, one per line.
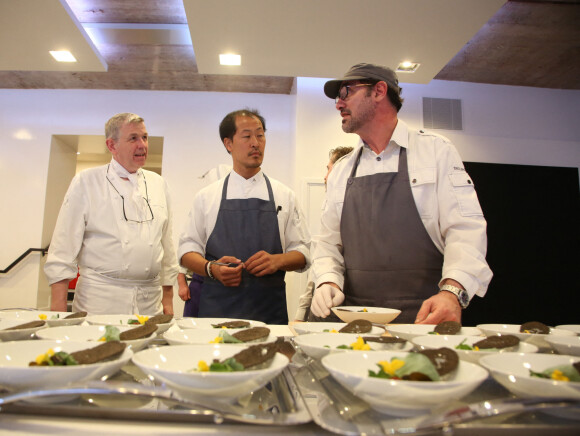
<point>442,113</point>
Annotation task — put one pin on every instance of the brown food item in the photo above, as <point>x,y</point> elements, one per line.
<point>76,315</point>
<point>535,327</point>
<point>159,319</point>
<point>384,339</point>
<point>576,365</point>
<point>232,325</point>
<point>503,341</point>
<point>252,334</point>
<point>28,325</point>
<point>447,328</point>
<point>357,326</point>
<point>107,350</point>
<point>284,347</point>
<point>143,331</point>
<point>256,354</point>
<point>444,359</point>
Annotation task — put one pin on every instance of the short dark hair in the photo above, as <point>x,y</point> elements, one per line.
<point>338,152</point>
<point>393,95</point>
<point>228,124</point>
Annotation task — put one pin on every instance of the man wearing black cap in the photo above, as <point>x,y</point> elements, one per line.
<point>402,227</point>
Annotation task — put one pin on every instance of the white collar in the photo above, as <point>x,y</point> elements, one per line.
<point>122,172</point>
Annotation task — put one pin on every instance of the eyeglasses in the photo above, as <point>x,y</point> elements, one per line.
<point>123,199</point>
<point>344,90</point>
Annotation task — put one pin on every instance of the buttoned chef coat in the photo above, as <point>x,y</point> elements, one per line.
<point>91,231</point>
<point>445,198</point>
<point>294,233</point>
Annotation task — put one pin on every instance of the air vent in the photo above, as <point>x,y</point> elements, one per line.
<point>442,113</point>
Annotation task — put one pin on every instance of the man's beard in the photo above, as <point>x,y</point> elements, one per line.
<point>366,113</point>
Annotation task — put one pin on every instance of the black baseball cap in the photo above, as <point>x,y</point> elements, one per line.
<point>361,72</point>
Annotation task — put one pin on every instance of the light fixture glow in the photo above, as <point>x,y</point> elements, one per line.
<point>230,59</point>
<point>63,55</point>
<point>407,67</point>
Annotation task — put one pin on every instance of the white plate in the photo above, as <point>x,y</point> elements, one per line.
<point>514,329</point>
<point>451,341</point>
<point>512,371</point>
<point>15,372</point>
<point>20,334</point>
<point>123,320</point>
<point>569,345</point>
<point>204,337</point>
<point>174,366</point>
<point>51,318</point>
<point>400,397</point>
<point>321,327</point>
<point>410,331</point>
<point>380,315</point>
<point>572,327</point>
<point>90,333</point>
<point>206,323</point>
<point>318,345</point>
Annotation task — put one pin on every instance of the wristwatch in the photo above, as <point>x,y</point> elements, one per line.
<point>461,294</point>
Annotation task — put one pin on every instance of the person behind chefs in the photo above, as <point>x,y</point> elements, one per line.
<point>250,221</point>
<point>402,227</point>
<point>116,224</point>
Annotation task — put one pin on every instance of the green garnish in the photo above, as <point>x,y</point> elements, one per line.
<point>463,346</point>
<point>228,365</point>
<point>112,333</point>
<point>229,339</point>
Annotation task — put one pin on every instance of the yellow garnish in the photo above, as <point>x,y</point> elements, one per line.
<point>202,366</point>
<point>333,331</point>
<point>102,339</point>
<point>360,345</point>
<point>476,348</point>
<point>392,366</point>
<point>224,327</point>
<point>44,357</point>
<point>42,316</point>
<point>365,310</point>
<point>217,340</point>
<point>142,318</point>
<point>559,375</point>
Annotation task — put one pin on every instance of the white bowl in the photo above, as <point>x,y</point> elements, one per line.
<point>410,331</point>
<point>302,328</point>
<point>400,397</point>
<point>20,334</point>
<point>380,315</point>
<point>90,333</point>
<point>572,327</point>
<point>175,367</point>
<point>123,320</point>
<point>207,323</point>
<point>569,345</point>
<point>204,337</point>
<point>51,318</point>
<point>451,341</point>
<point>512,371</point>
<point>15,372</point>
<point>318,345</point>
<point>538,340</point>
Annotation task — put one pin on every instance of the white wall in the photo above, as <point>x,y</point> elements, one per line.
<point>501,124</point>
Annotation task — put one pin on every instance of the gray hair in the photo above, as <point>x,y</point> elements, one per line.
<point>115,123</point>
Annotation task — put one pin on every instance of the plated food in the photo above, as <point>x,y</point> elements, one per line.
<point>410,331</point>
<point>163,322</point>
<point>50,317</point>
<point>216,336</point>
<point>380,315</point>
<point>395,396</point>
<point>213,323</point>
<point>538,339</point>
<point>331,327</point>
<point>19,329</point>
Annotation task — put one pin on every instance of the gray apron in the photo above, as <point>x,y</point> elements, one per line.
<point>390,259</point>
<point>244,227</point>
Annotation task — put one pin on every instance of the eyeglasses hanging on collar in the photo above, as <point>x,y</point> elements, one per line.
<point>123,200</point>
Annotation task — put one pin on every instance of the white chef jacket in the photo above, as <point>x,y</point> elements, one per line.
<point>445,198</point>
<point>91,231</point>
<point>294,233</point>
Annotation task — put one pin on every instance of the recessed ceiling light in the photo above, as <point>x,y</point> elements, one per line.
<point>230,59</point>
<point>407,67</point>
<point>63,56</point>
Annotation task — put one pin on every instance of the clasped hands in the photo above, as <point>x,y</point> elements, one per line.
<point>259,264</point>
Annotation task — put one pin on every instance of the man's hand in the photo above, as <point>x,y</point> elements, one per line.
<point>183,289</point>
<point>438,308</point>
<point>326,296</point>
<point>167,299</point>
<point>262,263</point>
<point>228,276</point>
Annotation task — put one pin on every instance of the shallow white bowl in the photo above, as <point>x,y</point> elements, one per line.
<point>123,320</point>
<point>400,397</point>
<point>512,371</point>
<point>380,315</point>
<point>302,328</point>
<point>451,341</point>
<point>318,345</point>
<point>514,329</point>
<point>90,333</point>
<point>572,327</point>
<point>52,318</point>
<point>569,345</point>
<point>174,366</point>
<point>204,337</point>
<point>410,331</point>
<point>20,334</point>
<point>207,323</point>
<point>15,372</point>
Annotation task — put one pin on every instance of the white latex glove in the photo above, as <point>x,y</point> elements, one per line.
<point>325,297</point>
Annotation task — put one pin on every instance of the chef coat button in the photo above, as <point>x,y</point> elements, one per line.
<point>414,180</point>
<point>126,241</point>
<point>469,181</point>
<point>150,244</point>
<point>147,269</point>
<point>126,266</point>
<point>378,158</point>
